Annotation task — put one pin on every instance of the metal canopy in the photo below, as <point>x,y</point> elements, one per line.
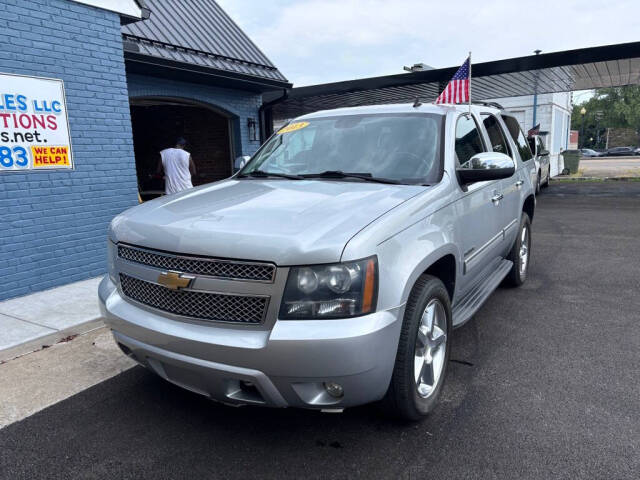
<point>581,69</point>
<point>200,37</point>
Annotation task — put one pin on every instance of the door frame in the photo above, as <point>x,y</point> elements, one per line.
<point>233,120</point>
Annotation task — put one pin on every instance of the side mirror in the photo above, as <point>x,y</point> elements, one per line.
<point>543,153</point>
<point>486,166</point>
<point>241,161</point>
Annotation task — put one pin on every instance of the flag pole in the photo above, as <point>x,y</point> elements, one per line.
<point>469,83</point>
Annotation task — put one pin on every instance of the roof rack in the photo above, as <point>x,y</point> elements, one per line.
<point>488,104</point>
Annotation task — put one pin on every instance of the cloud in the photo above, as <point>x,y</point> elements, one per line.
<point>314,41</point>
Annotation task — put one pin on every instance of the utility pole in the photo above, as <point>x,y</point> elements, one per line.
<point>599,115</point>
<point>583,112</point>
<point>535,93</point>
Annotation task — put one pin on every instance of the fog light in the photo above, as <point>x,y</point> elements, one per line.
<point>334,389</point>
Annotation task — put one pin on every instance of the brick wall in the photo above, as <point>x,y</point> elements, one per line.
<point>237,104</point>
<point>54,223</point>
<point>623,137</point>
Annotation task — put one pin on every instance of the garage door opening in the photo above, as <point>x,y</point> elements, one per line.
<point>157,123</point>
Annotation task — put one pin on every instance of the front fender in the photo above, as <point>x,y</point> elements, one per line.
<point>405,256</point>
<point>422,266</point>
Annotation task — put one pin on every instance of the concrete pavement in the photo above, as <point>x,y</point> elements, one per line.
<point>610,167</point>
<point>33,382</point>
<point>29,322</point>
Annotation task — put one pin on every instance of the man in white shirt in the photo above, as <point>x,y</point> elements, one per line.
<point>178,167</point>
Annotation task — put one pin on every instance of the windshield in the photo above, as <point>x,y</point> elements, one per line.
<point>405,148</point>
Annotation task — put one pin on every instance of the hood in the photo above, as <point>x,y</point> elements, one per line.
<point>282,221</point>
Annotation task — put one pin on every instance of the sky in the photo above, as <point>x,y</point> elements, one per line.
<point>320,41</point>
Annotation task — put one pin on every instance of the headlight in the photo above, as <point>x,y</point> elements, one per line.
<point>331,291</point>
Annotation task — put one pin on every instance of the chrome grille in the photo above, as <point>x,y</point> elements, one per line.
<point>200,305</point>
<point>212,267</point>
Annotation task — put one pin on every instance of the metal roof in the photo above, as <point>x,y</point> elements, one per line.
<point>581,69</point>
<point>199,33</point>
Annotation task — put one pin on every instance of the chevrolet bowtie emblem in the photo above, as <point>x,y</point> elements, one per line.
<point>174,280</point>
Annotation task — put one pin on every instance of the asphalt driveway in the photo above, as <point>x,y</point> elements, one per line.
<point>544,383</point>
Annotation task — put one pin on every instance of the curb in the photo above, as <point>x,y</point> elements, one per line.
<point>49,339</point>
<point>594,179</point>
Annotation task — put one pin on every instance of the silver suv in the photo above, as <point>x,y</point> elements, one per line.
<point>331,270</point>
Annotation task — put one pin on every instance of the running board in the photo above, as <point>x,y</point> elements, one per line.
<point>469,305</point>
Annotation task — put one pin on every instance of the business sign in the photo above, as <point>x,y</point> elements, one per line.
<point>34,127</point>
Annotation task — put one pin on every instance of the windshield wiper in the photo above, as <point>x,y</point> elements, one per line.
<point>263,174</point>
<point>340,174</point>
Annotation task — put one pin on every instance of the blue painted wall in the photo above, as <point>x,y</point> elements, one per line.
<point>240,105</point>
<point>53,224</point>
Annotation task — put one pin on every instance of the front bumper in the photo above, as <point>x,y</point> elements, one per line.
<point>238,364</point>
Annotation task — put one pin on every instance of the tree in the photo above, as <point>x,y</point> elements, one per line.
<point>617,107</point>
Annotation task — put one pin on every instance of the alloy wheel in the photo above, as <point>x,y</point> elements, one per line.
<point>430,348</point>
<point>524,250</point>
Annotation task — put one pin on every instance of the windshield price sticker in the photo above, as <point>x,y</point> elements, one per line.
<point>34,127</point>
<point>292,127</point>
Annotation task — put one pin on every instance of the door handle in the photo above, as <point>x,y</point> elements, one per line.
<point>496,198</point>
<point>519,183</point>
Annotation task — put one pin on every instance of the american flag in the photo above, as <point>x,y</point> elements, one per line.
<point>534,131</point>
<point>457,90</point>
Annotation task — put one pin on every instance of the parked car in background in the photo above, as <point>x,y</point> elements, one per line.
<point>587,152</point>
<point>330,270</point>
<point>620,152</point>
<point>542,160</point>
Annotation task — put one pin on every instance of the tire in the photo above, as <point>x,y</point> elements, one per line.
<point>517,275</point>
<point>407,397</point>
<point>538,184</point>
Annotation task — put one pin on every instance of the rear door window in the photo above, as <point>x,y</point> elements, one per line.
<point>496,135</point>
<point>518,137</point>
<point>468,139</point>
